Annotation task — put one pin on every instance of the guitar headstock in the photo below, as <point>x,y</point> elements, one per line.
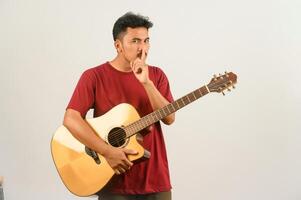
<point>222,82</point>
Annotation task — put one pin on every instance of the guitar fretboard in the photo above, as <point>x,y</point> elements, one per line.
<point>165,111</point>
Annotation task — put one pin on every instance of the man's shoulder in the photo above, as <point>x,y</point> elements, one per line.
<point>92,72</point>
<point>155,69</point>
<point>96,68</point>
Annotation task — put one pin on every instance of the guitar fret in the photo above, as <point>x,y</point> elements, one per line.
<point>187,100</point>
<point>169,108</point>
<point>157,115</point>
<point>152,118</point>
<point>166,110</point>
<point>194,96</point>
<point>161,113</point>
<point>144,122</point>
<point>133,128</point>
<point>173,108</point>
<point>148,120</point>
<point>183,101</point>
<point>190,97</point>
<point>177,104</point>
<point>137,126</point>
<point>200,93</point>
<point>142,125</point>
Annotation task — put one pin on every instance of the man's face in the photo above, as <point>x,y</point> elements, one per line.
<point>133,41</point>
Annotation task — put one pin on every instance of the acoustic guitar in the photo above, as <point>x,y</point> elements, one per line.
<point>85,172</point>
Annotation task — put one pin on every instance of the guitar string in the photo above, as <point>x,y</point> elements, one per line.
<point>119,133</point>
<point>119,136</point>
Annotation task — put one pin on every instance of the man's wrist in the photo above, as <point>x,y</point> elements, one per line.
<point>148,83</point>
<point>105,150</point>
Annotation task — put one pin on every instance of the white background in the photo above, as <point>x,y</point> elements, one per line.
<point>245,145</point>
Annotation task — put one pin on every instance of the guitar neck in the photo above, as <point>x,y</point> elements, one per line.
<point>165,111</point>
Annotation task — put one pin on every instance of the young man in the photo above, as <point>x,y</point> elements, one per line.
<point>126,79</point>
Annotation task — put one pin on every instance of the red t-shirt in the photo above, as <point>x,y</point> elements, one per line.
<point>102,88</point>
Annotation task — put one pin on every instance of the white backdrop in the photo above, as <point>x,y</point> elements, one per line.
<point>245,145</point>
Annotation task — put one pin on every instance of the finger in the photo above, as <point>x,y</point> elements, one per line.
<point>145,131</point>
<point>127,164</point>
<point>130,151</point>
<point>132,66</point>
<point>150,128</point>
<point>117,171</point>
<point>137,66</point>
<point>139,55</point>
<point>121,170</point>
<point>143,55</point>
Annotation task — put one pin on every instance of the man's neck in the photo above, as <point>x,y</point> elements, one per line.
<point>121,64</point>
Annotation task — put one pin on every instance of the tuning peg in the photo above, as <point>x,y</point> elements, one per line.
<point>226,73</point>
<point>229,89</point>
<point>215,77</point>
<point>233,86</point>
<point>223,93</point>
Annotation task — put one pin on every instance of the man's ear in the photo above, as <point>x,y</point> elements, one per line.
<point>118,45</point>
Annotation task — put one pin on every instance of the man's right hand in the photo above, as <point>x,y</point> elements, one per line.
<point>118,160</point>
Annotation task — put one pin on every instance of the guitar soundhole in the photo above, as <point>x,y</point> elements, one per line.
<point>117,137</point>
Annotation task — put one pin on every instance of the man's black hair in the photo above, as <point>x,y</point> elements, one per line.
<point>131,20</point>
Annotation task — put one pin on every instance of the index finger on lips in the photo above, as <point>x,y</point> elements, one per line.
<point>143,55</point>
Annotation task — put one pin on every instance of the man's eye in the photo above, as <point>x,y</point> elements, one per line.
<point>135,41</point>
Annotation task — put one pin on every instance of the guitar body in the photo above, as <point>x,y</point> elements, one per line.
<point>83,171</point>
<point>82,174</point>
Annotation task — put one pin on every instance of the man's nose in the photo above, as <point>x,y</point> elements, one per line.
<point>144,46</point>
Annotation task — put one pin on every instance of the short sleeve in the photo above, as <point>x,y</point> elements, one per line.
<point>163,85</point>
<point>83,96</point>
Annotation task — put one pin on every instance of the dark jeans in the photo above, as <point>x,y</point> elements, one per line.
<point>152,196</point>
<point>1,193</point>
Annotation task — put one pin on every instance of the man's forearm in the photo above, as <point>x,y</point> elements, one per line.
<point>83,132</point>
<point>157,100</point>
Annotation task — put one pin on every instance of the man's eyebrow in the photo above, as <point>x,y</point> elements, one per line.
<point>136,38</point>
<point>140,38</point>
